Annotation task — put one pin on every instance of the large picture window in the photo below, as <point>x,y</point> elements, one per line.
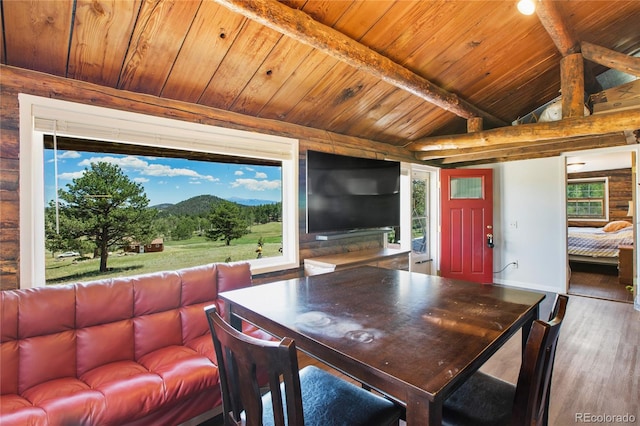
<point>192,181</point>
<point>587,199</point>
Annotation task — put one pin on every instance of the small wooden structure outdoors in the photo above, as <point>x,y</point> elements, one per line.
<point>154,246</point>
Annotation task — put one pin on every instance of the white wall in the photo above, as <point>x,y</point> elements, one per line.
<point>530,224</point>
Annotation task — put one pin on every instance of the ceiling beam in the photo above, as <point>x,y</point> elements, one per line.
<point>598,124</point>
<point>301,27</point>
<point>490,152</point>
<point>532,150</point>
<point>556,27</point>
<point>611,59</point>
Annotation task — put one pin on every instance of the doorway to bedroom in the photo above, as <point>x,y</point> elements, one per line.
<point>600,218</point>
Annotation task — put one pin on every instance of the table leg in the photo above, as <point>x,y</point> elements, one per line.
<point>422,412</point>
<point>233,319</point>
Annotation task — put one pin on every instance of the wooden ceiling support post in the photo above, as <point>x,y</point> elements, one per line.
<point>572,85</point>
<point>474,124</point>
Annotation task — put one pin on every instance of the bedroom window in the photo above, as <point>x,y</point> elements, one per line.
<point>587,199</point>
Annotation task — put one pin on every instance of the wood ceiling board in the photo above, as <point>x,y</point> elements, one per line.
<point>208,41</point>
<point>359,19</point>
<point>419,121</point>
<point>101,32</point>
<point>372,122</point>
<point>156,41</point>
<point>326,11</point>
<point>276,69</point>
<point>390,35</point>
<point>37,34</point>
<point>249,51</point>
<point>350,99</point>
<point>297,88</point>
<point>364,105</point>
<point>324,93</point>
<point>610,24</point>
<point>501,62</point>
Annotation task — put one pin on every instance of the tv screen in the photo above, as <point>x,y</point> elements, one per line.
<point>350,193</point>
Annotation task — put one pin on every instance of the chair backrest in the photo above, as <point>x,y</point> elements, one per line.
<point>531,405</point>
<point>239,358</point>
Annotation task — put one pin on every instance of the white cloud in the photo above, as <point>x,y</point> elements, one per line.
<point>70,175</point>
<point>69,154</point>
<point>261,175</point>
<point>238,173</point>
<point>256,185</point>
<point>136,164</point>
<point>140,180</point>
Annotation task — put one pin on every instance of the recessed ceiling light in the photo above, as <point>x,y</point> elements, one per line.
<point>526,7</point>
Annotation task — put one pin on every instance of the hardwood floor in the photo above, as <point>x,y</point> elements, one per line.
<point>597,366</point>
<point>598,281</point>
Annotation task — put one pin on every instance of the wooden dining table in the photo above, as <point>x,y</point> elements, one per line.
<point>410,336</point>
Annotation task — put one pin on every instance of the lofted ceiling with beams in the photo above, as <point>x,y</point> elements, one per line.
<point>405,73</point>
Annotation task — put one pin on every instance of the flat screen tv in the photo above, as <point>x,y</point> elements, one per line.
<point>350,193</point>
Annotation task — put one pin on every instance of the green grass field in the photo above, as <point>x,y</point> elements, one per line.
<point>176,255</point>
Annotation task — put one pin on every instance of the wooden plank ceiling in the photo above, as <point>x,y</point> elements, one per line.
<point>405,73</point>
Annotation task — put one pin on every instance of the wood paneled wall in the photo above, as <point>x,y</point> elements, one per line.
<point>15,80</point>
<point>620,193</point>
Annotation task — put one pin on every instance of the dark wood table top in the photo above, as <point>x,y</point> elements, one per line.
<point>412,336</point>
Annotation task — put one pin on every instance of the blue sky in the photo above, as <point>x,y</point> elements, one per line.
<point>171,180</point>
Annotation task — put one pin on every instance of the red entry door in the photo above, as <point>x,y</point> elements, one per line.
<point>467,224</point>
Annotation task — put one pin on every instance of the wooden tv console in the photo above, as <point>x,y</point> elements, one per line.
<point>384,258</point>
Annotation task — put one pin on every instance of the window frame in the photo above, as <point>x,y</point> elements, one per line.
<point>40,116</point>
<point>605,199</point>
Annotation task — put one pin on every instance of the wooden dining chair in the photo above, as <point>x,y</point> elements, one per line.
<point>310,396</point>
<point>487,400</point>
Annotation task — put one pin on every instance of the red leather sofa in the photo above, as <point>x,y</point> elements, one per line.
<point>122,351</point>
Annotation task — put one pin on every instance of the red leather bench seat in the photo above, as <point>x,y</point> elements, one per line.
<point>113,352</point>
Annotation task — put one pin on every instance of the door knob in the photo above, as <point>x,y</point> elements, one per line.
<point>490,241</point>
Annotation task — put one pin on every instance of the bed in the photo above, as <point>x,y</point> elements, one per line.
<point>595,245</point>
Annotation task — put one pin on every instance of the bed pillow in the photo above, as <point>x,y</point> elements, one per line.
<point>616,225</point>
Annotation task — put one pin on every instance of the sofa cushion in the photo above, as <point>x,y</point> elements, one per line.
<point>232,276</point>
<point>68,401</point>
<point>194,322</point>
<point>156,292</point>
<point>17,411</point>
<point>45,358</point>
<point>59,314</point>
<point>128,388</point>
<point>184,371</point>
<point>152,332</point>
<point>199,284</point>
<point>104,301</point>
<point>104,344</point>
<point>8,316</point>
<point>9,361</point>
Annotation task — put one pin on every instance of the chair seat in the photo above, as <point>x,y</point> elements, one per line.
<point>483,400</point>
<point>329,400</point>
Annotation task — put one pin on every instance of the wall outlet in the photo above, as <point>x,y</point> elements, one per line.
<point>515,264</point>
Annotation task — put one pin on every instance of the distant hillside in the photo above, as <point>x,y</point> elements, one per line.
<point>200,204</point>
<point>162,206</point>
<point>250,201</point>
